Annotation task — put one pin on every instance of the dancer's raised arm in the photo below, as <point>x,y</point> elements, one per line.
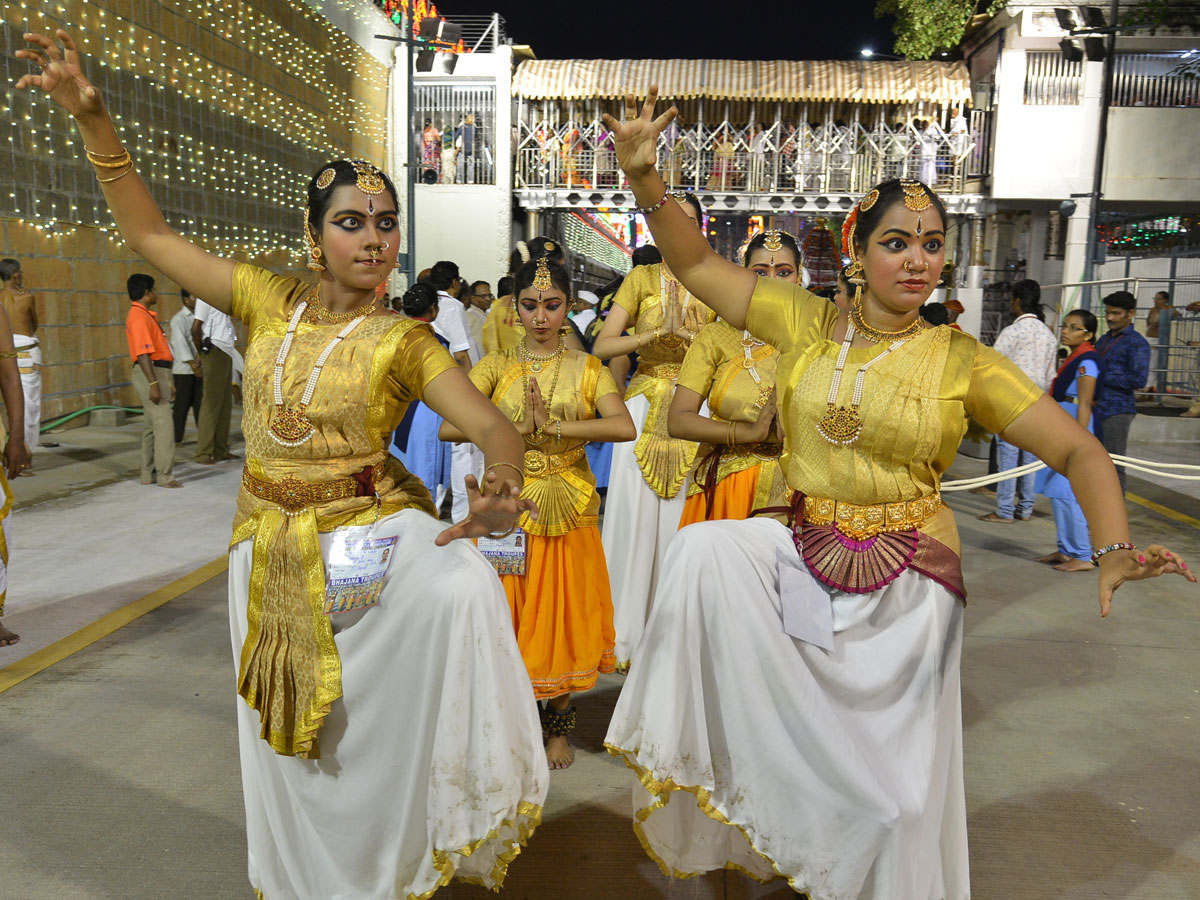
<point>138,217</point>
<point>718,283</point>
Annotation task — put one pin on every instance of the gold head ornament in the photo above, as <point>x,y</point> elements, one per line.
<point>541,278</point>
<point>367,178</point>
<point>772,241</point>
<point>325,179</point>
<point>916,196</point>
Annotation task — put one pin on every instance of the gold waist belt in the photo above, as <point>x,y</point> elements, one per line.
<point>764,451</point>
<point>541,465</point>
<point>294,494</point>
<point>669,371</point>
<point>864,522</point>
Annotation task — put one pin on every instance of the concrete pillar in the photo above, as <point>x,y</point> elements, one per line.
<point>1074,262</point>
<point>1038,223</point>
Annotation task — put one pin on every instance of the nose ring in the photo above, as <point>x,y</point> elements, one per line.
<point>910,270</point>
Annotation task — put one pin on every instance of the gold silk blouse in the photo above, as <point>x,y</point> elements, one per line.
<point>715,368</point>
<point>503,328</point>
<point>664,460</point>
<point>914,407</point>
<point>290,671</point>
<point>557,476</point>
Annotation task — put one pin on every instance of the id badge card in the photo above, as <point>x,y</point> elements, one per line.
<point>506,554</point>
<point>354,575</point>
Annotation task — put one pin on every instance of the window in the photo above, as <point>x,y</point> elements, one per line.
<point>1050,80</point>
<point>456,133</point>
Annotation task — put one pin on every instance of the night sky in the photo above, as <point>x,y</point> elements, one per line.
<point>655,29</point>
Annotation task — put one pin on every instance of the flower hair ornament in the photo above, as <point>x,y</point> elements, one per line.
<point>854,272</point>
<point>523,251</point>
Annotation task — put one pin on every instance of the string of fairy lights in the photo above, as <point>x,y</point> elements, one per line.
<point>225,110</point>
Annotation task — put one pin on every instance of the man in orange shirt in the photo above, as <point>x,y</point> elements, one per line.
<point>152,381</point>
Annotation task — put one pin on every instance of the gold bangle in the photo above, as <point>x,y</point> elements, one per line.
<point>115,177</point>
<point>733,432</point>
<point>496,537</point>
<point>105,155</point>
<point>115,161</point>
<point>509,465</point>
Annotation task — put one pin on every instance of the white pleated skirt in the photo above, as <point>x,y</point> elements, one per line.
<point>432,762</point>
<point>838,771</point>
<point>638,524</point>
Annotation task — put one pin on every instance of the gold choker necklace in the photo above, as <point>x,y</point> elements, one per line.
<point>876,335</point>
<point>318,312</point>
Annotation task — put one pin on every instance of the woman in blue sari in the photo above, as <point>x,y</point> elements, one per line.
<point>1074,388</point>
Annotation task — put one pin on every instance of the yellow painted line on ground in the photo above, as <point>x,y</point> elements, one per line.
<point>1161,510</point>
<point>40,660</point>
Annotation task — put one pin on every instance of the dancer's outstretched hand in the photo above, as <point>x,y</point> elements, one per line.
<point>61,77</point>
<point>494,509</point>
<point>1137,565</point>
<point>637,137</point>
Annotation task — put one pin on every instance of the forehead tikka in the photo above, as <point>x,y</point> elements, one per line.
<point>541,278</point>
<point>916,196</point>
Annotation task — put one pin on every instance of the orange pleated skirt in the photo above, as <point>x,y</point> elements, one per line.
<point>562,612</point>
<point>733,498</point>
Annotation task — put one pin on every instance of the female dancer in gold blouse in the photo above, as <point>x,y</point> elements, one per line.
<point>793,709</point>
<point>560,399</point>
<point>737,467</point>
<point>644,497</point>
<point>387,744</point>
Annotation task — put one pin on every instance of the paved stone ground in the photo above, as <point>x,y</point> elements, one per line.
<point>120,775</point>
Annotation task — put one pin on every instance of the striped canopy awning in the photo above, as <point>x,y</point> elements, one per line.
<point>788,80</point>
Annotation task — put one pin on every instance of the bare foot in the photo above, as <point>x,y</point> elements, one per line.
<point>7,637</point>
<point>171,484</point>
<point>1074,565</point>
<point>1189,415</point>
<point>1052,558</point>
<point>992,517</point>
<point>559,752</point>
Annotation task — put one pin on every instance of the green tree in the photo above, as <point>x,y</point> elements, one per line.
<point>923,27</point>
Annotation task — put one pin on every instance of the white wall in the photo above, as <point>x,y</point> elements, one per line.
<point>1043,152</point>
<point>1048,152</point>
<point>466,223</point>
<point>1152,154</point>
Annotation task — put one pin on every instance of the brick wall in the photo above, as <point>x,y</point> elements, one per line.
<point>227,107</point>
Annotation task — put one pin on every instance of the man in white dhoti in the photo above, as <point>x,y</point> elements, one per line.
<point>21,307</point>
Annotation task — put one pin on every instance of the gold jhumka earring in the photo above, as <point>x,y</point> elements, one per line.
<point>314,252</point>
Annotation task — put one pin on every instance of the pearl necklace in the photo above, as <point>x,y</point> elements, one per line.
<point>289,426</point>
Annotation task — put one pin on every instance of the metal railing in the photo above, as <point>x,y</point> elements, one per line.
<point>1153,79</point>
<point>480,34</point>
<point>781,158</point>
<point>1175,352</point>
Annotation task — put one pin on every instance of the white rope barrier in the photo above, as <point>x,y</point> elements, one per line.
<point>1149,466</point>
